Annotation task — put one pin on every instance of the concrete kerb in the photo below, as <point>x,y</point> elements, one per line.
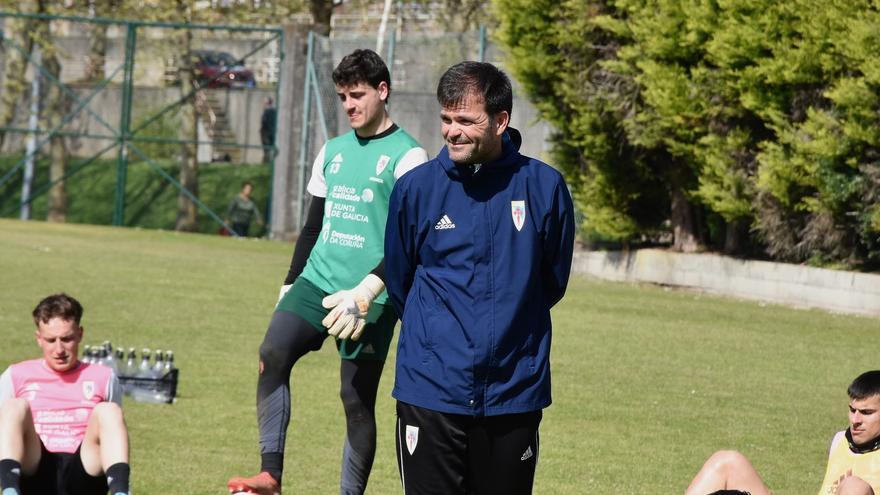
<point>779,283</point>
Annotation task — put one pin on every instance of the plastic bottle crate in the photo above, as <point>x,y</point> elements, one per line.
<point>165,387</point>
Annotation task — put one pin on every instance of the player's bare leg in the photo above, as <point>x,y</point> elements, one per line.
<point>19,443</point>
<point>853,485</point>
<point>727,470</point>
<point>104,448</point>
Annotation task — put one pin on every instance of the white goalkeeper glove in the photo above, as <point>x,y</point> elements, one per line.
<point>282,291</point>
<point>348,315</point>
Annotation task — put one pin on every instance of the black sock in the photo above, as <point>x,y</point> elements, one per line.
<point>10,475</point>
<point>117,478</point>
<point>273,463</point>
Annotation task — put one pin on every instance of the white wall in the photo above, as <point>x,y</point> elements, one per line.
<point>801,286</point>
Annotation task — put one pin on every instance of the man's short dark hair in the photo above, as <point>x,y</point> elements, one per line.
<point>362,66</point>
<point>476,78</point>
<point>58,306</point>
<point>865,385</point>
<point>246,183</point>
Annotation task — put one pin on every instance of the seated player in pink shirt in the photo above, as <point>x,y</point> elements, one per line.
<point>61,425</point>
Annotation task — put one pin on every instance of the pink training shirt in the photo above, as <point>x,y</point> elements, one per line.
<point>61,403</point>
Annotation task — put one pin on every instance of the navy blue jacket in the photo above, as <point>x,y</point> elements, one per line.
<point>474,262</point>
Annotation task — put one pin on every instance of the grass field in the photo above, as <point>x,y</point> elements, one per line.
<point>647,382</point>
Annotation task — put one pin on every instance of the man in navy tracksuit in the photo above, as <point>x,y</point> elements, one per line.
<point>478,248</point>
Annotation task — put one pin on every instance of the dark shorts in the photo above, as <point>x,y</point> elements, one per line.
<point>450,453</point>
<point>241,229</point>
<point>304,299</point>
<point>62,474</point>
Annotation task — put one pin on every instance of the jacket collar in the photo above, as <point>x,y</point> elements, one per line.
<point>510,143</point>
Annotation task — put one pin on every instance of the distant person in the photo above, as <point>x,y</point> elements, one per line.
<point>478,248</point>
<point>853,460</point>
<point>335,283</point>
<point>242,210</point>
<point>61,425</point>
<point>267,128</point>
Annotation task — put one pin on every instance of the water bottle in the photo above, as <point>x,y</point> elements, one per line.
<point>159,366</point>
<point>169,362</point>
<point>107,356</point>
<point>98,356</point>
<point>144,367</point>
<point>153,396</point>
<point>108,359</point>
<point>119,360</point>
<point>151,391</point>
<point>131,365</point>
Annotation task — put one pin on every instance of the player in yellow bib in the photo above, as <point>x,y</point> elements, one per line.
<point>853,460</point>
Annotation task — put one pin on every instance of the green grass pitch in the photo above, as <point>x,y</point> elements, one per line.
<point>647,382</point>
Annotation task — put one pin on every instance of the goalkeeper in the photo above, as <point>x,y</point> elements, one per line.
<point>335,283</point>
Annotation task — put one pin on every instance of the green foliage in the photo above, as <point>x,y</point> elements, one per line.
<point>616,185</point>
<point>151,201</point>
<point>757,111</point>
<point>167,126</point>
<point>724,184</point>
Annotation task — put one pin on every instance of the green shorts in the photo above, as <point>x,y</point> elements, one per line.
<point>304,299</point>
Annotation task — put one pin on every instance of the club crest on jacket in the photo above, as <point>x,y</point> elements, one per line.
<point>518,212</point>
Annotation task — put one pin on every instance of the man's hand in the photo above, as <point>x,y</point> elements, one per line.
<point>347,317</point>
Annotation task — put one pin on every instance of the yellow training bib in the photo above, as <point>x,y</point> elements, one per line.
<point>841,460</point>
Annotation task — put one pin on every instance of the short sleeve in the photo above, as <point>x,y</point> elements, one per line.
<point>317,183</point>
<point>6,390</point>
<point>412,159</point>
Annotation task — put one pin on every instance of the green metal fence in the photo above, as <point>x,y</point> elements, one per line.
<point>146,98</point>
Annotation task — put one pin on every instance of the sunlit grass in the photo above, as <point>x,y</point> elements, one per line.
<point>647,382</point>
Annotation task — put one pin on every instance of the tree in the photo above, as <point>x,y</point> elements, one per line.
<point>750,116</point>
<point>460,15</point>
<point>565,56</point>
<point>187,210</point>
<point>322,13</point>
<point>98,39</point>
<point>14,85</point>
<point>55,106</point>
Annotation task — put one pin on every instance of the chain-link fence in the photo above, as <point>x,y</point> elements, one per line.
<point>418,59</point>
<point>150,124</point>
<point>124,122</point>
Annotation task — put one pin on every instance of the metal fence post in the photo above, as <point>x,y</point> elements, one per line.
<point>389,59</point>
<point>124,123</point>
<point>292,80</point>
<point>304,137</point>
<point>482,43</point>
<point>273,153</point>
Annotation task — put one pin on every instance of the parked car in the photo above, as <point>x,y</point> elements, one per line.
<point>214,69</point>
